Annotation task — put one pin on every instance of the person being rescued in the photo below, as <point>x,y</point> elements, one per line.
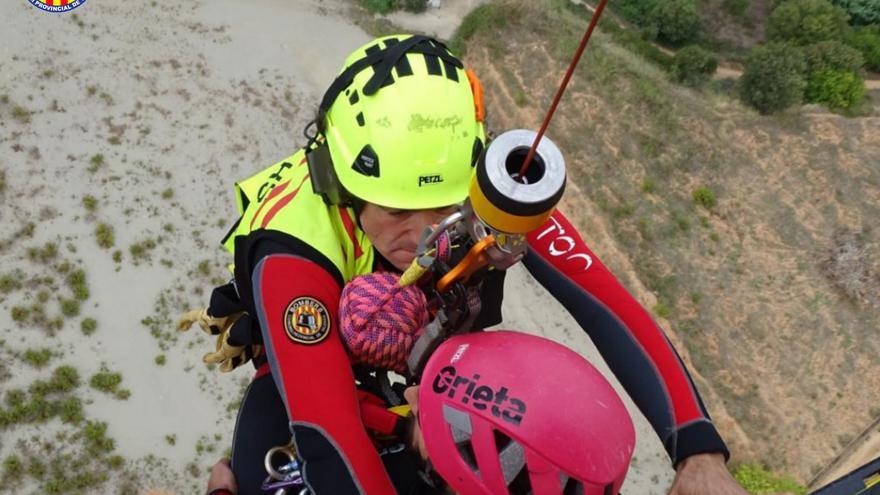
<point>354,202</point>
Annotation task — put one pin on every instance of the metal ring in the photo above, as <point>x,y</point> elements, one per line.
<point>267,461</point>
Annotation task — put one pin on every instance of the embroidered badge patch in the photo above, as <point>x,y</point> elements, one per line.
<point>56,5</point>
<point>306,321</point>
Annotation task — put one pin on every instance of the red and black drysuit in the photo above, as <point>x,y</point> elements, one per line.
<point>317,385</point>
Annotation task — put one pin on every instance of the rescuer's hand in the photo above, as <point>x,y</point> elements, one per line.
<point>416,441</point>
<point>702,474</point>
<point>208,324</point>
<point>222,477</point>
<point>226,355</point>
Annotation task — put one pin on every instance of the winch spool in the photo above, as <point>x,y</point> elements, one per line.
<point>507,203</point>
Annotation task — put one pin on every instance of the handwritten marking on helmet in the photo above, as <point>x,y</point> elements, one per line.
<point>478,396</point>
<point>563,245</point>
<point>421,123</point>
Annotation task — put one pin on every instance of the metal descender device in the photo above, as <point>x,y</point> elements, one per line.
<point>487,232</point>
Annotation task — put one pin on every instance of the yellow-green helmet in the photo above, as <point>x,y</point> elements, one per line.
<point>403,125</point>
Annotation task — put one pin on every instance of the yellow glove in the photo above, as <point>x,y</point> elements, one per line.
<point>227,356</point>
<point>208,324</point>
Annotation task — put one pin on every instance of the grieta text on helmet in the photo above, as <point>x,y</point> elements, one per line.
<point>274,179</point>
<point>469,391</point>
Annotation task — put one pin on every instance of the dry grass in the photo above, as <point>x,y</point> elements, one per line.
<point>741,281</point>
<point>853,267</point>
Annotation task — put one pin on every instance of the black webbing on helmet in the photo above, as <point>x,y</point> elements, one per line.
<point>383,62</point>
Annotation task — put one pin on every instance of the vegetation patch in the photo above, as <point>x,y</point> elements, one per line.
<point>109,383</point>
<point>759,481</point>
<point>90,203</point>
<point>105,236</point>
<point>96,162</point>
<point>140,251</point>
<point>693,66</point>
<point>489,16</point>
<point>705,197</point>
<point>38,358</point>
<point>88,326</point>
<point>773,78</point>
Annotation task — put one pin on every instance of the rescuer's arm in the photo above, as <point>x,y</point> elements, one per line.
<point>634,346</point>
<point>296,300</point>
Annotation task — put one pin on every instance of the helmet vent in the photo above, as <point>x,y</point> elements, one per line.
<point>354,97</point>
<point>466,450</point>
<point>572,486</point>
<point>521,483</point>
<point>477,151</point>
<point>360,119</point>
<point>511,456</point>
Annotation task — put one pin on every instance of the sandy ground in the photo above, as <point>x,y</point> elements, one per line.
<point>181,97</point>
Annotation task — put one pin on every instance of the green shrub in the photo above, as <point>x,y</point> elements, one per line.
<point>71,410</point>
<point>773,77</point>
<point>662,310</point>
<point>105,381</point>
<point>2,181</point>
<point>96,440</point>
<point>90,202</point>
<point>862,12</point>
<point>867,41</point>
<point>9,283</point>
<point>88,326</point>
<point>804,22</point>
<point>96,162</point>
<point>693,65</point>
<point>64,379</point>
<point>37,358</point>
<point>381,6</point>
<point>638,42</point>
<point>736,7</point>
<point>835,89</point>
<point>832,55</point>
<point>705,197</point>
<point>13,469</point>
<point>105,236</point>
<point>19,313</point>
<point>160,360</point>
<point>415,5</point>
<point>76,280</point>
<point>486,16</point>
<point>637,12</point>
<point>69,307</point>
<point>758,480</point>
<point>108,382</point>
<point>677,21</point>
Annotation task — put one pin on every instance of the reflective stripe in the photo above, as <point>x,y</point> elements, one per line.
<point>269,203</point>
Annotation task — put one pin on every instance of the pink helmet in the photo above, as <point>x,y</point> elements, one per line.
<point>505,412</point>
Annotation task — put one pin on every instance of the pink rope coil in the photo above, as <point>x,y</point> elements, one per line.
<point>379,320</point>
